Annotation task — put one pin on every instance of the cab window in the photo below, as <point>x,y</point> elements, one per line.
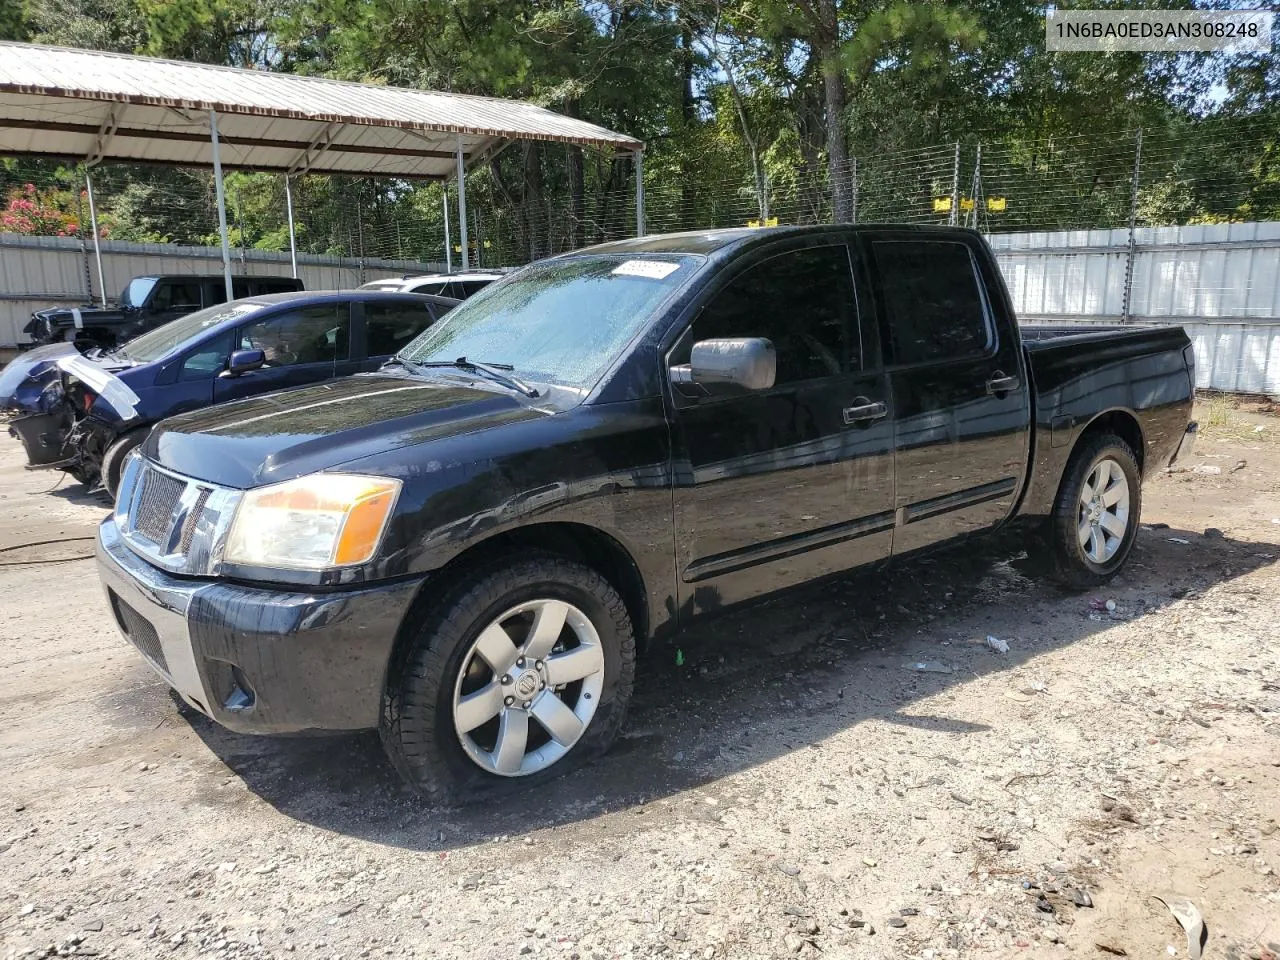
<point>931,305</point>
<point>390,326</point>
<point>207,361</point>
<point>802,301</point>
<point>177,295</point>
<point>319,334</point>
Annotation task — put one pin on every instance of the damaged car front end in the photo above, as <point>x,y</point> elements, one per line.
<point>65,409</point>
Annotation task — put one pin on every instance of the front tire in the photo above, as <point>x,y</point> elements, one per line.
<point>113,460</point>
<point>522,673</point>
<point>1096,516</point>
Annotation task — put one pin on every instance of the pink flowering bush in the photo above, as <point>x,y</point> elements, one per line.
<point>40,213</point>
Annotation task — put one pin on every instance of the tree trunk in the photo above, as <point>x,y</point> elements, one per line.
<point>534,206</point>
<point>688,216</point>
<point>833,89</point>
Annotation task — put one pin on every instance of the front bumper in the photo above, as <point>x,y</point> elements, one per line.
<point>257,660</point>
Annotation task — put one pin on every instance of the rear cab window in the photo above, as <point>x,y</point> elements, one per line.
<point>932,307</point>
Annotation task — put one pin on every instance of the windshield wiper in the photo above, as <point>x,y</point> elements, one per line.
<point>494,371</point>
<point>407,364</point>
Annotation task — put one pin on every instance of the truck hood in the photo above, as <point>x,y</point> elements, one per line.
<point>67,316</point>
<point>284,435</point>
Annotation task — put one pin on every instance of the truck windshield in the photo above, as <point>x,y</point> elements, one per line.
<point>136,293</point>
<point>562,321</point>
<point>164,340</point>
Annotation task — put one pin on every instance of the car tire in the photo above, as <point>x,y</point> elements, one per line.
<point>113,460</point>
<point>1097,514</point>
<point>455,672</point>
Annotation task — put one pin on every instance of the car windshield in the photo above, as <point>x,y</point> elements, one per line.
<point>136,293</point>
<point>562,321</point>
<point>164,340</point>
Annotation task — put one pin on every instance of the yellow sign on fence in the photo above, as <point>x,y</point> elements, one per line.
<point>770,222</point>
<point>966,204</point>
<point>941,204</point>
<point>997,204</point>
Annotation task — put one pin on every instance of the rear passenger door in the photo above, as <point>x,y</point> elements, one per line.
<point>302,345</point>
<point>389,325</point>
<point>780,486</point>
<point>957,380</point>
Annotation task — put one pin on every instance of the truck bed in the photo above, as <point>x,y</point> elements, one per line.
<point>1083,372</point>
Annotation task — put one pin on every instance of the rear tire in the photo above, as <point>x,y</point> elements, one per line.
<point>113,459</point>
<point>465,715</point>
<point>1096,516</point>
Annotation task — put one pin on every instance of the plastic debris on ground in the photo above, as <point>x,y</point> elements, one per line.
<point>1179,540</point>
<point>929,666</point>
<point>998,645</point>
<point>1189,918</point>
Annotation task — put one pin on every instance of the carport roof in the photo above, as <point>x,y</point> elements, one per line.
<point>106,106</point>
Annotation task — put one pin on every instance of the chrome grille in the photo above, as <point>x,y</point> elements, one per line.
<point>177,523</point>
<point>193,517</point>
<point>153,516</point>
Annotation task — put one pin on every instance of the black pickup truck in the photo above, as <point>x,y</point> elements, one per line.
<point>146,303</point>
<point>466,549</point>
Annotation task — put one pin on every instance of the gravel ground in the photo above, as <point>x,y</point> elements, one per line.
<point>797,787</point>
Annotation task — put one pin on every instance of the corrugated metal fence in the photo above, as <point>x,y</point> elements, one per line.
<point>38,272</point>
<point>1220,281</point>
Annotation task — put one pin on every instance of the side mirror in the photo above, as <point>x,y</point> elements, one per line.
<point>746,362</point>
<point>243,361</point>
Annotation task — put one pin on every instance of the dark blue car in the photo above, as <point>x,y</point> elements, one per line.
<point>83,414</point>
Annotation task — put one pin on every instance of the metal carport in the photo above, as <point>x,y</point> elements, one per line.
<point>97,107</point>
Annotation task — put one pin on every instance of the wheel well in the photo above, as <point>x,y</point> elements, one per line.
<point>574,541</point>
<point>1124,426</point>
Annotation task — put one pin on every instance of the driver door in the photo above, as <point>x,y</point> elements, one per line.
<point>303,345</point>
<point>779,486</point>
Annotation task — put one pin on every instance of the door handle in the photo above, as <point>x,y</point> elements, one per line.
<point>864,411</point>
<point>1000,384</point>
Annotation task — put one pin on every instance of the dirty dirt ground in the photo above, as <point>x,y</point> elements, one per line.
<point>797,787</point>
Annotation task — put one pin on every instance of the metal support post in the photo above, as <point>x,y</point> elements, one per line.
<point>97,245</point>
<point>955,189</point>
<point>1132,251</point>
<point>462,208</point>
<point>293,240</point>
<point>639,162</point>
<point>976,193</point>
<point>222,205</point>
<point>853,205</point>
<point>448,244</point>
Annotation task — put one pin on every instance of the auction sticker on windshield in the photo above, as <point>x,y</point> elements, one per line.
<point>652,269</point>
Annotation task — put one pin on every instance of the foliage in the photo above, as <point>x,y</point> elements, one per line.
<point>748,107</point>
<point>42,213</point>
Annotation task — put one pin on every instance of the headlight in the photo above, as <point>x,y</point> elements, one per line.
<point>312,523</point>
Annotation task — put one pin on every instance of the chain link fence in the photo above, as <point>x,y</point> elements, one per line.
<point>1152,226</point>
<point>1204,174</point>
